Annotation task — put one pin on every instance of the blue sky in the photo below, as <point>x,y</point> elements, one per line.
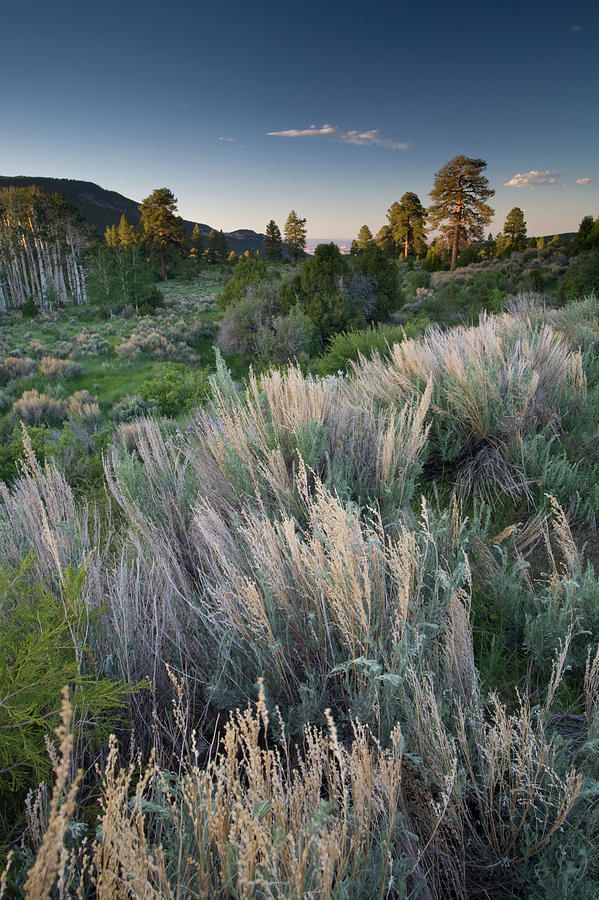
<point>138,95</point>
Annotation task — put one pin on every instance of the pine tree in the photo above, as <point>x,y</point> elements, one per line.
<point>409,228</point>
<point>222,247</point>
<point>197,245</point>
<point>162,229</point>
<point>459,209</point>
<point>515,228</point>
<point>364,237</point>
<point>273,242</point>
<point>295,234</point>
<point>212,252</point>
<point>384,240</point>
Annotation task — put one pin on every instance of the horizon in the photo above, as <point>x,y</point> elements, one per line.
<point>334,115</point>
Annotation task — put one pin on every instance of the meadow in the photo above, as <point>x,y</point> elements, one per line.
<point>325,629</point>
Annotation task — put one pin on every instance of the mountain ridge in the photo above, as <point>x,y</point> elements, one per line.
<point>101,207</point>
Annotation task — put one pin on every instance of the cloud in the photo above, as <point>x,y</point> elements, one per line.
<point>227,139</point>
<point>575,27</point>
<point>358,138</point>
<point>584,180</point>
<point>534,178</point>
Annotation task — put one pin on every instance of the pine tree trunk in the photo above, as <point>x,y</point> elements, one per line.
<point>456,245</point>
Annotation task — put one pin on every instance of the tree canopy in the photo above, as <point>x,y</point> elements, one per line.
<point>459,210</point>
<point>515,228</point>
<point>408,226</point>
<point>364,237</point>
<point>295,234</point>
<point>273,242</point>
<point>162,228</point>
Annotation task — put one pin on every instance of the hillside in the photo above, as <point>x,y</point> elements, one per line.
<point>100,207</point>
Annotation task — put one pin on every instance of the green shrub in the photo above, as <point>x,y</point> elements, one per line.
<point>41,650</point>
<point>347,346</point>
<point>581,278</point>
<point>30,309</point>
<point>176,388</point>
<point>248,271</point>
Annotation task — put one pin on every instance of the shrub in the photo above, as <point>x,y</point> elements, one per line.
<point>348,346</point>
<point>30,309</point>
<point>41,650</point>
<point>248,272</point>
<point>50,367</point>
<point>176,389</point>
<point>17,367</point>
<point>136,407</point>
<point>81,405</point>
<point>33,408</point>
<point>581,278</point>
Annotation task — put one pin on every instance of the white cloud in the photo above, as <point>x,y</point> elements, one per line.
<point>534,178</point>
<point>584,180</point>
<point>358,138</point>
<point>227,139</point>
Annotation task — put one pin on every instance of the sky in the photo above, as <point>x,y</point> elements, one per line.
<point>247,111</point>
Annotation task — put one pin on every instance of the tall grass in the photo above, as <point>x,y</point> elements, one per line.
<point>277,546</point>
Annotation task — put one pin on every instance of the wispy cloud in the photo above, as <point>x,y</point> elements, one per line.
<point>227,139</point>
<point>584,180</point>
<point>575,27</point>
<point>534,178</point>
<point>358,138</point>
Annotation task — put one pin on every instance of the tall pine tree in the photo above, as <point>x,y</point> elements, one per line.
<point>162,229</point>
<point>364,237</point>
<point>295,234</point>
<point>273,242</point>
<point>409,228</point>
<point>515,228</point>
<point>459,209</point>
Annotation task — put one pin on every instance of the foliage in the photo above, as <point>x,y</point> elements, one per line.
<point>175,388</point>
<point>458,196</point>
<point>273,242</point>
<point>581,278</point>
<point>248,271</point>
<point>30,309</point>
<point>256,326</point>
<point>120,276</point>
<point>162,230</point>
<point>348,346</point>
<point>295,234</point>
<point>514,229</point>
<point>42,648</point>
<point>407,220</point>
<point>364,237</point>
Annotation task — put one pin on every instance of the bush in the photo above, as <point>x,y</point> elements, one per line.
<point>176,389</point>
<point>348,346</point>
<point>41,650</point>
<point>255,326</point>
<point>248,272</point>
<point>50,367</point>
<point>136,407</point>
<point>30,309</point>
<point>33,408</point>
<point>581,278</point>
<point>16,367</point>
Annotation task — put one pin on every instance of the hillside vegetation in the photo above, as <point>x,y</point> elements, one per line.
<point>343,629</point>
